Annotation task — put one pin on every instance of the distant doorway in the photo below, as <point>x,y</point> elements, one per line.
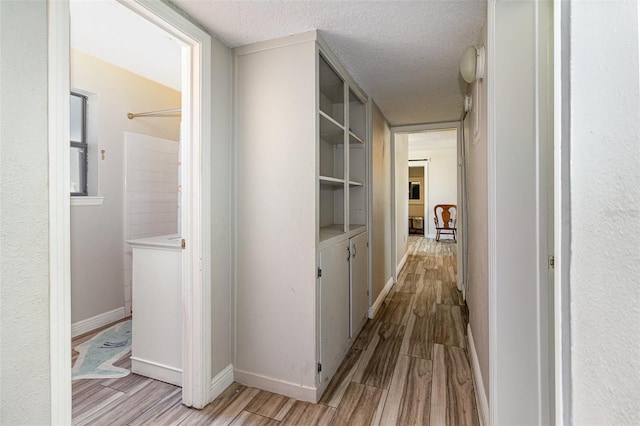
<point>426,173</point>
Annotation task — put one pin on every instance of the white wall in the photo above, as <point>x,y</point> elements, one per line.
<point>442,180</point>
<point>605,219</point>
<point>97,238</point>
<point>517,263</point>
<point>401,144</point>
<point>25,396</point>
<point>381,244</point>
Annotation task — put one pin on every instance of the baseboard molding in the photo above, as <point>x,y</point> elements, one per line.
<point>481,396</point>
<point>90,324</point>
<point>292,390</point>
<point>373,310</point>
<point>223,380</point>
<point>164,373</point>
<point>402,263</point>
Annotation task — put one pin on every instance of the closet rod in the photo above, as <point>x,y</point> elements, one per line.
<point>143,114</point>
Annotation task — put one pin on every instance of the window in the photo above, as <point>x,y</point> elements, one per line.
<point>78,138</point>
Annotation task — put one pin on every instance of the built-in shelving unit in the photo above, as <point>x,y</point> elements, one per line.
<point>342,135</point>
<point>302,281</point>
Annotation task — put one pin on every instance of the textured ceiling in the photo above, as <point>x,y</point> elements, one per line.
<point>404,54</point>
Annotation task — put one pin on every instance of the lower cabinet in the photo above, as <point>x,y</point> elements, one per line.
<point>359,288</point>
<point>343,300</point>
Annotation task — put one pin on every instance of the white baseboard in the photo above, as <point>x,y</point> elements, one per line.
<point>292,390</point>
<point>481,396</point>
<point>223,380</point>
<point>402,262</point>
<point>430,236</point>
<point>376,305</point>
<point>90,324</point>
<point>164,373</point>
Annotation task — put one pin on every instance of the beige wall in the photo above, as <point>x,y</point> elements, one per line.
<point>401,146</point>
<point>477,235</point>
<point>222,243</point>
<point>381,244</point>
<point>25,388</point>
<point>97,242</point>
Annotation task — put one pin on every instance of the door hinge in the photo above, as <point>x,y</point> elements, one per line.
<point>319,368</point>
<point>184,244</point>
<point>319,272</point>
<point>552,262</point>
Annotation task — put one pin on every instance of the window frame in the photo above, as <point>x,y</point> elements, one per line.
<point>84,177</point>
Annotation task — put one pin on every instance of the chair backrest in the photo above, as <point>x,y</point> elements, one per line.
<point>445,216</point>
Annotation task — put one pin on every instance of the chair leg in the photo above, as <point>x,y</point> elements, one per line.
<point>437,235</point>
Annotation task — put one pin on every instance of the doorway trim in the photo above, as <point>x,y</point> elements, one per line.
<point>196,206</point>
<point>414,128</point>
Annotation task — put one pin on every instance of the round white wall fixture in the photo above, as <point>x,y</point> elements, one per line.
<point>472,64</point>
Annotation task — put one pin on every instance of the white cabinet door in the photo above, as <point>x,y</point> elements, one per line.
<point>334,311</point>
<point>359,282</point>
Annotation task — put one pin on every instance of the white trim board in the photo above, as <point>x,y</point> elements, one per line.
<point>100,320</point>
<point>59,212</point>
<point>223,380</point>
<point>157,371</point>
<point>373,310</point>
<point>478,384</point>
<point>292,390</point>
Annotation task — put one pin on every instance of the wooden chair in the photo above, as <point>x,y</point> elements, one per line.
<point>445,217</point>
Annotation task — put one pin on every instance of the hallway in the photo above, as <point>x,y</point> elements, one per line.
<point>408,366</point>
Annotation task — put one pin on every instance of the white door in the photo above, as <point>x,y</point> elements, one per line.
<point>334,311</point>
<point>359,296</point>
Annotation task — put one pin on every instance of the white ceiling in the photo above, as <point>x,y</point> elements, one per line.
<point>404,54</point>
<point>109,31</point>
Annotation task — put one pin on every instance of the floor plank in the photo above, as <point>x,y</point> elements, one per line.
<point>359,405</point>
<point>247,418</point>
<point>338,385</point>
<point>409,400</point>
<point>376,368</point>
<point>168,411</point>
<point>271,405</point>
<point>305,413</point>
<point>224,409</point>
<point>449,330</point>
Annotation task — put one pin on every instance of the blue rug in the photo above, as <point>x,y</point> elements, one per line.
<point>98,354</point>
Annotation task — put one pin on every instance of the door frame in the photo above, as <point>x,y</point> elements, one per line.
<point>417,128</point>
<point>196,206</point>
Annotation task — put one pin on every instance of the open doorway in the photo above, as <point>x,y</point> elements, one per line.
<point>194,101</point>
<point>125,198</point>
<point>427,176</point>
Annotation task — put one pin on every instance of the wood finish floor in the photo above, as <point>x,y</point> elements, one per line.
<point>409,366</point>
